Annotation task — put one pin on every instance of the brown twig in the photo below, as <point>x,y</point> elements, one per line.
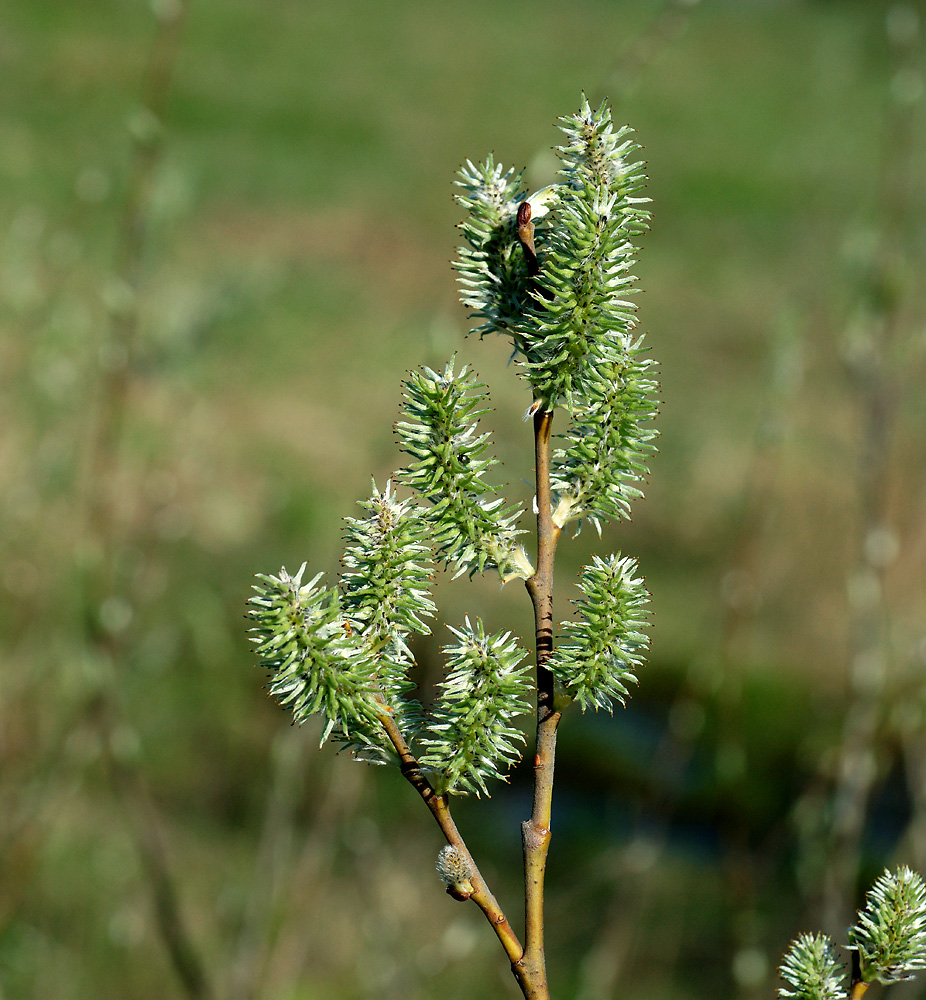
<point>535,832</point>
<point>440,809</point>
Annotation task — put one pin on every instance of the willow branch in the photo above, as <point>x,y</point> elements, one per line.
<point>440,809</point>
<point>535,832</point>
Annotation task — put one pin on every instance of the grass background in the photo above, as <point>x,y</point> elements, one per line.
<point>299,227</point>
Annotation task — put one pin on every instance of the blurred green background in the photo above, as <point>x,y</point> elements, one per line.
<point>225,234</point>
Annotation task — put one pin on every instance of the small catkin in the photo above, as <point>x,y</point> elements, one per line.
<point>455,872</point>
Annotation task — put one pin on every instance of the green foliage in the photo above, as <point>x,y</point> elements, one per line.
<point>473,527</point>
<point>385,587</point>
<point>607,446</point>
<point>470,737</point>
<point>493,275</point>
<point>811,969</point>
<point>345,653</point>
<point>572,324</point>
<point>387,573</point>
<point>598,654</point>
<point>581,318</point>
<point>889,936</point>
<point>890,933</point>
<point>576,317</point>
<point>596,157</point>
<point>315,664</point>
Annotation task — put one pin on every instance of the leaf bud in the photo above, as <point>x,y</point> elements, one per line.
<point>455,871</point>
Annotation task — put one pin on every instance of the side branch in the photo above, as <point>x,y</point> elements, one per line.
<point>440,809</point>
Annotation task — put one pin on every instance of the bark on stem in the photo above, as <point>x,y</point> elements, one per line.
<point>527,963</point>
<point>535,832</point>
<point>440,809</point>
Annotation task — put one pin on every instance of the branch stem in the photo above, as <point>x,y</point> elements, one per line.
<point>440,809</point>
<point>527,963</point>
<point>535,832</point>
